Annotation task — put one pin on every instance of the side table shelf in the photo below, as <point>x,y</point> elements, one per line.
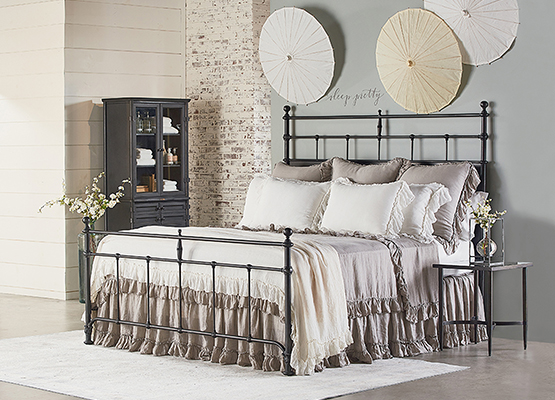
<point>487,271</point>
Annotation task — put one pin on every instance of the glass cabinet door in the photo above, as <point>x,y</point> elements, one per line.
<point>146,121</point>
<point>172,148</point>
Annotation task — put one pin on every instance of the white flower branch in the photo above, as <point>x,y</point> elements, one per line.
<point>95,203</point>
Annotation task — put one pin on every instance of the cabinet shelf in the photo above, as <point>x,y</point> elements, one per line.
<point>126,121</point>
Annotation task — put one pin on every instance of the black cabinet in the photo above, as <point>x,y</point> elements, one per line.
<point>146,139</point>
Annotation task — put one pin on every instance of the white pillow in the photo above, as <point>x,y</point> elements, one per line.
<point>419,215</point>
<point>253,200</point>
<point>284,203</point>
<point>462,179</point>
<point>369,209</point>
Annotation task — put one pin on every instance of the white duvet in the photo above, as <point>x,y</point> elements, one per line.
<point>319,308</point>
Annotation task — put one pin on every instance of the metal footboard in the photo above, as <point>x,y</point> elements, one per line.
<point>286,346</point>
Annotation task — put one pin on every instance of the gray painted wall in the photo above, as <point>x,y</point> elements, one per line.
<point>521,89</point>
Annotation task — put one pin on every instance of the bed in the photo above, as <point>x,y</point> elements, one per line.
<point>330,264</point>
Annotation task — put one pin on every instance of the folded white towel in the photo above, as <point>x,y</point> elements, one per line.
<point>170,129</point>
<point>170,186</point>
<point>144,153</point>
<point>143,161</point>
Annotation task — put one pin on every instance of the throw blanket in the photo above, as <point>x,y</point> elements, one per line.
<point>319,307</point>
<point>384,275</point>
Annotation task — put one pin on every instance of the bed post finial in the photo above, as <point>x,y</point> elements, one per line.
<point>484,104</point>
<point>286,134</point>
<point>88,308</point>
<point>288,232</point>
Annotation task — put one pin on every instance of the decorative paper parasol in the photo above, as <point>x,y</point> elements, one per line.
<point>485,28</point>
<point>419,61</point>
<point>296,55</point>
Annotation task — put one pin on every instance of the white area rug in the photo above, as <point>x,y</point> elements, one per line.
<point>62,363</point>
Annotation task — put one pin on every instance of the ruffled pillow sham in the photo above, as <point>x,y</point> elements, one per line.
<point>461,179</point>
<point>419,215</point>
<point>314,173</point>
<point>367,209</point>
<point>368,174</point>
<point>277,203</point>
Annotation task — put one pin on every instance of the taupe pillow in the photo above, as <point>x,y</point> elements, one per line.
<point>368,174</point>
<point>461,179</point>
<point>314,173</point>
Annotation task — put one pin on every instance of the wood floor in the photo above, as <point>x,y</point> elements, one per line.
<point>510,373</point>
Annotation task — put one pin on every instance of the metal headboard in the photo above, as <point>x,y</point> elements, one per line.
<point>480,163</point>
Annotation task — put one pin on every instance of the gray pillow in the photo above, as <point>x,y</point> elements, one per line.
<point>314,173</point>
<point>368,174</point>
<point>462,179</point>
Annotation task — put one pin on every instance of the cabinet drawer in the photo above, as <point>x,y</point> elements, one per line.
<point>172,208</point>
<point>165,207</point>
<point>146,209</point>
<point>169,213</point>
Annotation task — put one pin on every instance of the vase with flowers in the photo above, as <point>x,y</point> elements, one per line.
<point>484,217</point>
<point>92,206</point>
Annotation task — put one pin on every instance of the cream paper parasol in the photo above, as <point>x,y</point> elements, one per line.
<point>485,28</point>
<point>296,55</point>
<point>419,61</point>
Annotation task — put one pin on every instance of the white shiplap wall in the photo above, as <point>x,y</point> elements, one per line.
<point>58,59</point>
<point>113,49</point>
<point>32,246</point>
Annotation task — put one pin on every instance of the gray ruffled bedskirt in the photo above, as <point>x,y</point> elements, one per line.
<point>378,332</point>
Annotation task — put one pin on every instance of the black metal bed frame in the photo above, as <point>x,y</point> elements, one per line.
<point>286,270</point>
<point>380,137</point>
<point>287,345</point>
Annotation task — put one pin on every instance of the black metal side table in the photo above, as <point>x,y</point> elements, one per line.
<point>487,270</point>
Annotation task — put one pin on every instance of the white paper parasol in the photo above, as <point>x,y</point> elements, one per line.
<point>419,61</point>
<point>485,28</point>
<point>296,55</point>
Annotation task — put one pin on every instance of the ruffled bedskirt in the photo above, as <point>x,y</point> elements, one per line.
<point>378,332</point>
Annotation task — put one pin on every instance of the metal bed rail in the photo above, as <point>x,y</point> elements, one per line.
<point>285,347</point>
<point>289,138</point>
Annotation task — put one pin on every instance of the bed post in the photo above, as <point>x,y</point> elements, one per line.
<point>88,324</point>
<point>379,134</point>
<point>484,138</point>
<point>287,270</point>
<point>286,134</point>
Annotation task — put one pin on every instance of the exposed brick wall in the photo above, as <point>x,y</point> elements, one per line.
<point>230,134</point>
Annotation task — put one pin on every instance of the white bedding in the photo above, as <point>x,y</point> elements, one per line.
<point>319,317</point>
<point>461,256</point>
